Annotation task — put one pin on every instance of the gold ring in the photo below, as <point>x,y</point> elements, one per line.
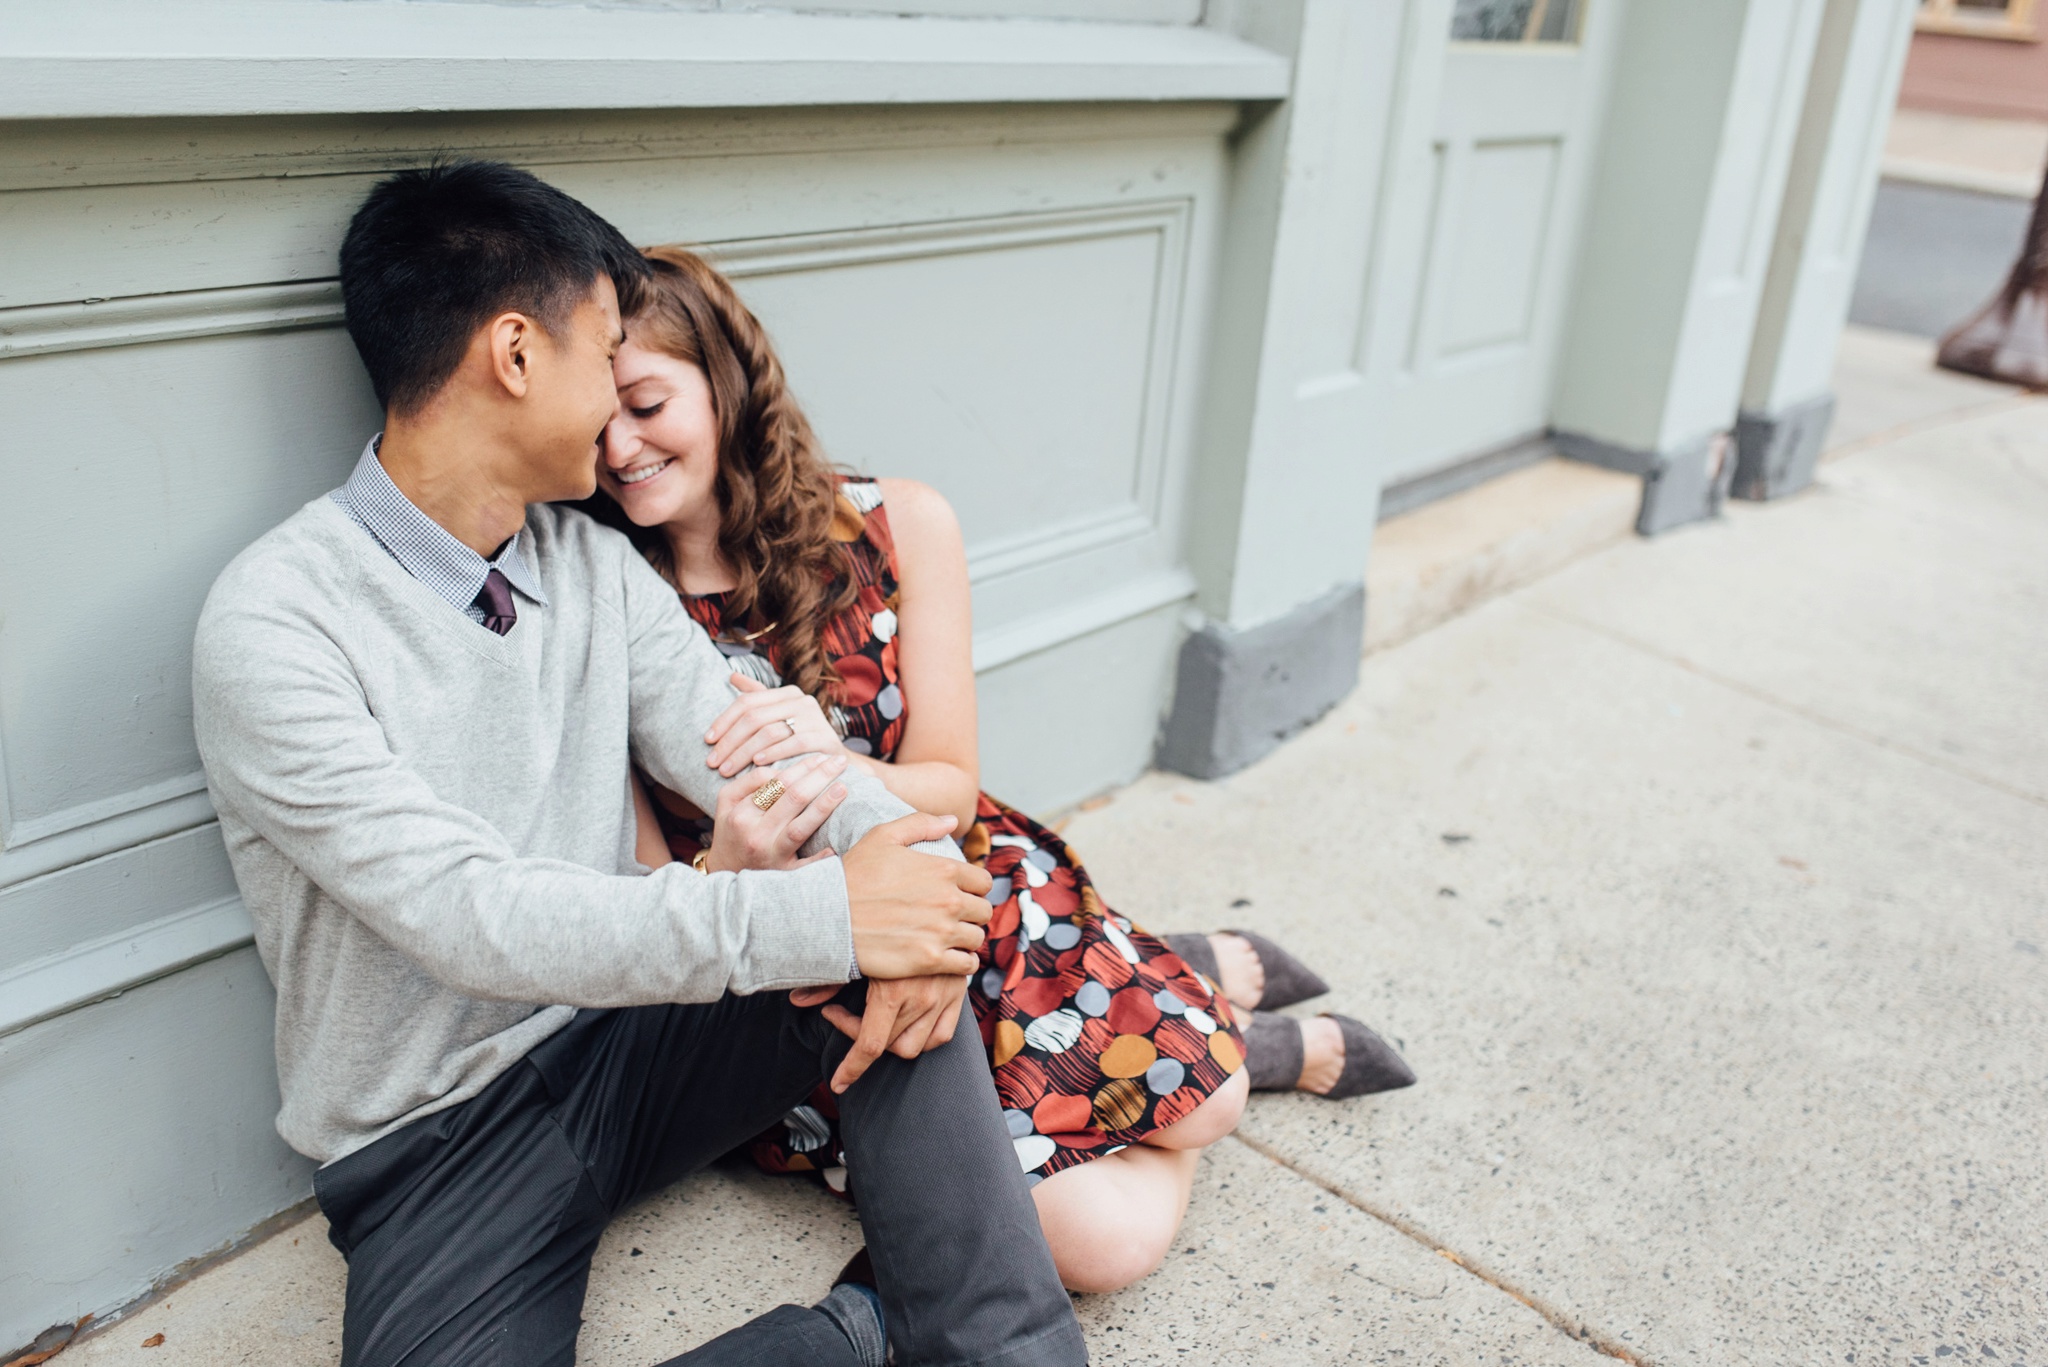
<point>771,793</point>
<point>791,724</point>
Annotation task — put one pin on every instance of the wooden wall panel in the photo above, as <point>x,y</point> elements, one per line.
<point>1008,304</point>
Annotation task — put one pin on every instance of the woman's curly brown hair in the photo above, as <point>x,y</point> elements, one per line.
<point>776,492</point>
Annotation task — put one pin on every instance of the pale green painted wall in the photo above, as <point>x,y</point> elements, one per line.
<point>1700,127</point>
<point>1012,304</point>
<point>1829,188</point>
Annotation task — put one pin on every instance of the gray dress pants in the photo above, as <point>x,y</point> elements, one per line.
<point>469,1233</point>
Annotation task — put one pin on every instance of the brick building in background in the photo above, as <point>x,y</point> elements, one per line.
<point>1980,57</point>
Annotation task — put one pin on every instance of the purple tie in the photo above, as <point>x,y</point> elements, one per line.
<point>495,598</point>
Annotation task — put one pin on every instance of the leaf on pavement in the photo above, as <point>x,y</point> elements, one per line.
<point>48,1344</point>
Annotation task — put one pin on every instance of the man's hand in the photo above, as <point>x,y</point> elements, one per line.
<point>906,1016</point>
<point>914,915</point>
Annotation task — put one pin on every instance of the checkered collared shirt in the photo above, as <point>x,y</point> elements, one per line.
<point>428,551</point>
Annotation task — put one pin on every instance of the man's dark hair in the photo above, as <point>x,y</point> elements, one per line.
<point>434,254</point>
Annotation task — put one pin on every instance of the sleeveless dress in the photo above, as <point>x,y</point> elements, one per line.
<point>1099,1035</point>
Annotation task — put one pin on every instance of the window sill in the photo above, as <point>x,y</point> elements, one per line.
<point>123,59</point>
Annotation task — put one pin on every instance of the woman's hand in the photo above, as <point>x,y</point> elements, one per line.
<point>765,724</point>
<point>745,837</point>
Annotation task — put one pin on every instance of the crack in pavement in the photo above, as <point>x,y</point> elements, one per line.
<point>1805,714</point>
<point>1579,1332</point>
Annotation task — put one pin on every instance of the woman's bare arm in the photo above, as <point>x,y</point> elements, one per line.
<point>650,847</point>
<point>937,767</point>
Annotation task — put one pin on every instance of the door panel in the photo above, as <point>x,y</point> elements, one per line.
<point>1497,253</point>
<point>1461,333</point>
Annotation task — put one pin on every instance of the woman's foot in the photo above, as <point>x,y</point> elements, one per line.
<point>1322,1055</point>
<point>1238,970</point>
<point>1331,1056</point>
<point>1254,973</point>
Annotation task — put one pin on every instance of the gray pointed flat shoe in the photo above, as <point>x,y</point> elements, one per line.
<point>1272,1051</point>
<point>1273,1054</point>
<point>1288,979</point>
<point>1370,1063</point>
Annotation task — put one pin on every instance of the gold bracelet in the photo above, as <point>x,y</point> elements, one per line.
<point>698,860</point>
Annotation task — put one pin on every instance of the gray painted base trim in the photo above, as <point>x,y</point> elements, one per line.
<point>1685,485</point>
<point>1406,495</point>
<point>1240,693</point>
<point>1777,453</point>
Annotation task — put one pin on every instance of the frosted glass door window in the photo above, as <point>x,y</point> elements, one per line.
<point>1515,21</point>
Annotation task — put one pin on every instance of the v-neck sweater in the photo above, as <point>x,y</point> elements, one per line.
<point>431,825</point>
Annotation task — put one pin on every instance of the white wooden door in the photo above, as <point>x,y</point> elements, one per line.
<point>1466,304</point>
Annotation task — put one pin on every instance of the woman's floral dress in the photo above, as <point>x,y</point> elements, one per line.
<point>1098,1033</point>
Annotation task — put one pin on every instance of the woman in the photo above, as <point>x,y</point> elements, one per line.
<point>843,605</point>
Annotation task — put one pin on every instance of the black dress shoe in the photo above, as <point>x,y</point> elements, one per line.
<point>859,1269</point>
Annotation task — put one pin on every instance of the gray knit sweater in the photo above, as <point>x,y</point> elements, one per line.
<point>431,826</point>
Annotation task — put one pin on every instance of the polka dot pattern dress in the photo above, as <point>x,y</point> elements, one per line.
<point>1099,1035</point>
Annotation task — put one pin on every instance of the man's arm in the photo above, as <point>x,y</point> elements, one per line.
<point>680,686</point>
<point>291,747</point>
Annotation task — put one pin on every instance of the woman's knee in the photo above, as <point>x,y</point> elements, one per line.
<point>1209,1121</point>
<point>1103,1265</point>
<point>1110,1223</point>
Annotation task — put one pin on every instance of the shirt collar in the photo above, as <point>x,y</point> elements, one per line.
<point>426,550</point>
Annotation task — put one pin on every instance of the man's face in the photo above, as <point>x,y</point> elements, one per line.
<point>571,397</point>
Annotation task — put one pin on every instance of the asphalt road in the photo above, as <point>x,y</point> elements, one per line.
<point>1934,255</point>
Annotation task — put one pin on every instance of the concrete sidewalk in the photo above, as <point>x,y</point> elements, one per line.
<point>1705,883</point>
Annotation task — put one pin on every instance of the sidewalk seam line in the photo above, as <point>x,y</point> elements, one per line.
<point>1582,1333</point>
<point>1913,427</point>
<point>1790,708</point>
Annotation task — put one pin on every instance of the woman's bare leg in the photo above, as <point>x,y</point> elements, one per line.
<point>1111,1222</point>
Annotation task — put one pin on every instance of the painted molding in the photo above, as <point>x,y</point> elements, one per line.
<point>101,810</point>
<point>138,820</point>
<point>1043,631</point>
<point>130,819</point>
<point>39,329</point>
<point>1121,11</point>
<point>42,329</point>
<point>45,843</point>
<point>744,257</point>
<point>213,58</point>
<point>1169,219</point>
<point>159,151</point>
<point>107,967</point>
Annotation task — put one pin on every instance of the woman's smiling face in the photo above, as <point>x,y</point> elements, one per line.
<point>659,456</point>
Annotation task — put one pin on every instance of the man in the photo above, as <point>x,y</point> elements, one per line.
<point>415,700</point>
